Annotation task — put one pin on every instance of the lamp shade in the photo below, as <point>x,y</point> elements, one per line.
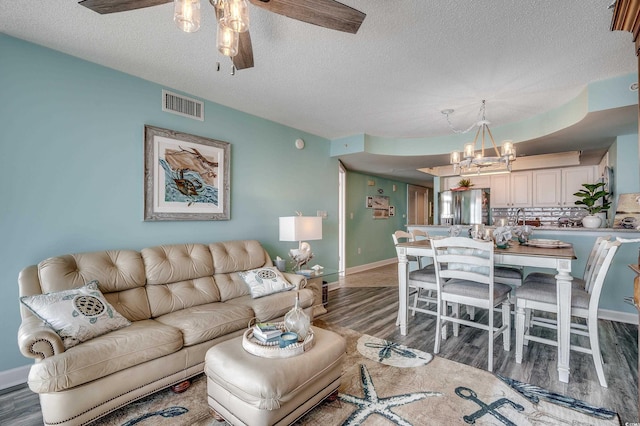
<point>300,228</point>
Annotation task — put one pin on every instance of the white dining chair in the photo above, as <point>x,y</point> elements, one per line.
<point>468,279</point>
<point>578,282</point>
<point>419,279</point>
<point>584,304</point>
<point>402,237</point>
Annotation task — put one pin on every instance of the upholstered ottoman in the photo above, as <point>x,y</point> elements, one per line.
<point>246,389</point>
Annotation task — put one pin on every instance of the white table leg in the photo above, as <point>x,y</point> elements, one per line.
<point>403,288</point>
<point>563,287</point>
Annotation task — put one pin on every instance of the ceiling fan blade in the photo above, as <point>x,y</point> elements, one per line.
<point>244,58</point>
<point>325,13</point>
<point>112,6</point>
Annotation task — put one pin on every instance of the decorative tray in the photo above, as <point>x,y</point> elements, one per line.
<point>257,348</point>
<point>548,243</point>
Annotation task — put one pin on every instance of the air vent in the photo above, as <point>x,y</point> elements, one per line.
<point>181,105</point>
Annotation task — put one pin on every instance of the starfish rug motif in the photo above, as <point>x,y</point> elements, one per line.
<point>372,404</point>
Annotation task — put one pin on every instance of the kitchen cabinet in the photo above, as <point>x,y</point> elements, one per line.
<point>511,190</point>
<point>555,187</point>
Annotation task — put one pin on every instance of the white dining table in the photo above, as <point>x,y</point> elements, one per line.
<point>516,255</point>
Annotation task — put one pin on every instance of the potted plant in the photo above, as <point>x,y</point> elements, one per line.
<point>463,185</point>
<point>591,194</point>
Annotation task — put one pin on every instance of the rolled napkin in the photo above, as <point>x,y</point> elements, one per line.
<point>502,235</point>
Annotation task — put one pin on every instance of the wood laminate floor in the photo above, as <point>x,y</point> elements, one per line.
<point>367,302</point>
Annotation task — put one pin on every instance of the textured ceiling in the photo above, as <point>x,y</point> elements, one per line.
<point>410,59</point>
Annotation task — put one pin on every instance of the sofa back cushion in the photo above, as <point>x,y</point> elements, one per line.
<point>179,276</point>
<point>120,275</point>
<point>231,257</point>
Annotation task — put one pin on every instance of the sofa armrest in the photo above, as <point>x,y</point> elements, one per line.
<point>37,340</point>
<point>296,279</point>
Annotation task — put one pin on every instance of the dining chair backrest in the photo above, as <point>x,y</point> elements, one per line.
<point>600,269</point>
<point>419,234</point>
<point>597,248</point>
<point>401,237</point>
<point>465,259</point>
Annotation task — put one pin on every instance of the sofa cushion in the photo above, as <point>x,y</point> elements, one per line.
<point>205,322</point>
<point>120,275</point>
<point>265,281</point>
<point>274,305</point>
<point>236,256</point>
<point>166,298</point>
<point>179,276</point>
<point>140,342</point>
<point>77,315</point>
<point>177,262</point>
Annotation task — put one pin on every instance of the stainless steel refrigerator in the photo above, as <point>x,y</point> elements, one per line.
<point>465,207</point>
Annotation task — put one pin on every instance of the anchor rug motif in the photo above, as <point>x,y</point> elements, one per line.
<point>388,384</point>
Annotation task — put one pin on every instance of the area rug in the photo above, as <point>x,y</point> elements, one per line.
<point>389,384</point>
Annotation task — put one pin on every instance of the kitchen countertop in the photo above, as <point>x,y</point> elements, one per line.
<point>549,228</point>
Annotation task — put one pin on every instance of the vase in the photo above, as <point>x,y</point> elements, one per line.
<point>591,221</point>
<point>297,321</point>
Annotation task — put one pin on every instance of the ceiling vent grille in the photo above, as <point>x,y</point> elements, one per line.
<point>181,105</point>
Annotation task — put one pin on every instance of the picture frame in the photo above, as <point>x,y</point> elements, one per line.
<point>381,213</point>
<point>186,177</point>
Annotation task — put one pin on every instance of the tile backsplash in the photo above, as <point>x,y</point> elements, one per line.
<point>548,216</point>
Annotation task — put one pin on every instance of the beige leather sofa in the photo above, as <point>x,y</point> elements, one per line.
<point>181,300</point>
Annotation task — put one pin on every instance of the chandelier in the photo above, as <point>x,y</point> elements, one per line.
<point>471,162</point>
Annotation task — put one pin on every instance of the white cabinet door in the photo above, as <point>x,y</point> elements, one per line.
<point>521,189</point>
<point>572,180</point>
<point>450,182</point>
<point>500,191</point>
<point>547,188</point>
<point>481,182</point>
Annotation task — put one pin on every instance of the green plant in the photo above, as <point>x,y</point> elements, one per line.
<point>593,193</point>
<point>465,183</point>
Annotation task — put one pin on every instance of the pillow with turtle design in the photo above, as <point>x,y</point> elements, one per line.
<point>265,281</point>
<point>76,315</point>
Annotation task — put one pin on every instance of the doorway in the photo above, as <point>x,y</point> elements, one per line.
<point>419,205</point>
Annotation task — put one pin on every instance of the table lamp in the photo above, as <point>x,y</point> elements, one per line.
<point>299,228</point>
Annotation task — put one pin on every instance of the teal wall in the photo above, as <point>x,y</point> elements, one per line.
<point>71,134</point>
<point>372,236</point>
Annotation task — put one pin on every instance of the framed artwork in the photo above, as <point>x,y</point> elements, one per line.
<point>392,210</point>
<point>380,202</point>
<point>381,213</point>
<point>186,177</point>
<point>369,202</point>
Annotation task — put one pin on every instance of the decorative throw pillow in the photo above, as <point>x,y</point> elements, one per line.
<point>78,314</point>
<point>265,281</point>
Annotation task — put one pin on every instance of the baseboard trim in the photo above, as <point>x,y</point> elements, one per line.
<point>366,267</point>
<point>14,377</point>
<point>618,316</point>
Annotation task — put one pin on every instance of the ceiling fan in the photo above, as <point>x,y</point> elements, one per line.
<point>325,13</point>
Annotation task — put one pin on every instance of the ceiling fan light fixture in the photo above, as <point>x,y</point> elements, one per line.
<point>186,15</point>
<point>235,15</point>
<point>227,41</point>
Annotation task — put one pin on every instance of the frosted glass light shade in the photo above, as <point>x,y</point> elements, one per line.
<point>236,15</point>
<point>469,149</point>
<point>300,228</point>
<point>186,15</point>
<point>227,41</point>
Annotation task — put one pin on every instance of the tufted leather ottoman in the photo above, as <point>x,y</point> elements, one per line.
<point>246,389</point>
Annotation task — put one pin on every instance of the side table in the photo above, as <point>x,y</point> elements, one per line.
<point>320,285</point>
